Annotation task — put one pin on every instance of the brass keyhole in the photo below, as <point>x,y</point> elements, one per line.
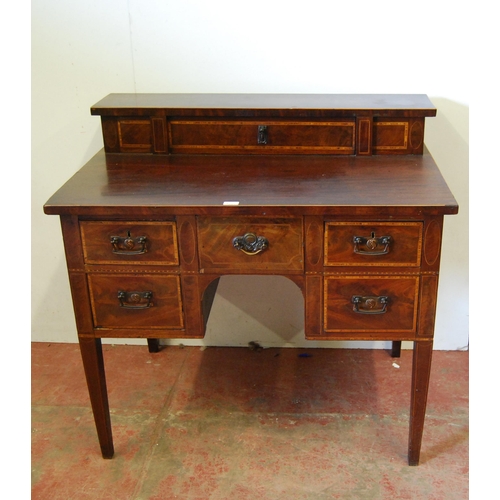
<point>372,242</point>
<point>128,241</point>
<point>370,303</point>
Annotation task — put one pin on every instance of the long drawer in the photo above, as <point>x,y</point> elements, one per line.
<point>264,136</point>
<point>136,301</point>
<point>139,243</point>
<point>371,304</point>
<point>249,244</point>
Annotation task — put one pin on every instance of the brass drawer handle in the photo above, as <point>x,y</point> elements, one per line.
<point>127,245</point>
<point>135,300</point>
<point>262,134</point>
<point>372,245</point>
<point>370,304</point>
<point>250,243</point>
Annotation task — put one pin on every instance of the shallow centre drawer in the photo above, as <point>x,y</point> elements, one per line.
<point>136,301</point>
<point>264,136</point>
<point>371,304</point>
<point>250,244</point>
<point>140,243</point>
<point>373,244</point>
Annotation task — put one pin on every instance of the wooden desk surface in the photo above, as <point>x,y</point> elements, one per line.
<point>307,185</point>
<point>269,104</point>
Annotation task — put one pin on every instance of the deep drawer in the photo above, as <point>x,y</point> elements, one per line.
<point>250,244</point>
<point>240,136</point>
<point>373,244</point>
<point>135,242</point>
<point>371,304</point>
<point>136,301</point>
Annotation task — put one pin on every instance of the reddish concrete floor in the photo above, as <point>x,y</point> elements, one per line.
<point>231,423</point>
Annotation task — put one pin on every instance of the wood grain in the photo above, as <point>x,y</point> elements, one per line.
<point>153,186</point>
<point>309,207</point>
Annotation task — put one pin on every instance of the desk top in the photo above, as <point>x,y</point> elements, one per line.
<point>152,185</point>
<point>265,104</point>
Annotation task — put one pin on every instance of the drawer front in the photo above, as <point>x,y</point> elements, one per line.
<point>218,136</point>
<point>249,244</point>
<point>139,243</point>
<point>373,244</point>
<point>136,301</point>
<point>398,136</point>
<point>134,135</point>
<point>371,304</point>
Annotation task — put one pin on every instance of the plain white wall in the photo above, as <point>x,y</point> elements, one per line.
<point>83,50</point>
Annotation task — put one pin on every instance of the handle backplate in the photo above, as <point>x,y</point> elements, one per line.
<point>250,243</point>
<point>128,245</point>
<point>370,304</point>
<point>373,245</point>
<point>135,300</point>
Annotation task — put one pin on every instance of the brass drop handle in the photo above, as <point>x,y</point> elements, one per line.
<point>135,300</point>
<point>370,304</point>
<point>250,243</point>
<point>127,245</point>
<point>373,245</point>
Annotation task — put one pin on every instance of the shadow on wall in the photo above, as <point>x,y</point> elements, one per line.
<point>268,309</point>
<point>55,160</point>
<point>264,309</point>
<point>447,138</point>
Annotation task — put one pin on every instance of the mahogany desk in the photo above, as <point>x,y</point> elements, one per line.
<point>335,192</point>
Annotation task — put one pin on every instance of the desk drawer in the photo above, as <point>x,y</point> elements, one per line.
<point>373,244</point>
<point>136,301</point>
<point>371,304</point>
<point>249,244</point>
<point>140,243</point>
<point>264,136</point>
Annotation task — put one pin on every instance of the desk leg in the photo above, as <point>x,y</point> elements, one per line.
<point>93,364</point>
<point>422,355</point>
<point>153,345</point>
<point>396,349</point>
